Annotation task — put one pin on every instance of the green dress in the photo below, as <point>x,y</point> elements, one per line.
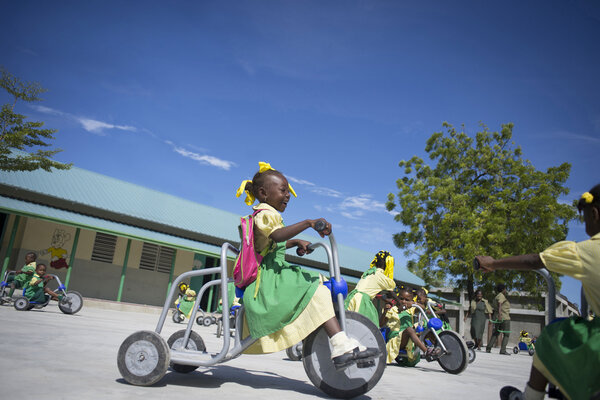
<point>279,294</point>
<point>478,320</point>
<point>569,351</point>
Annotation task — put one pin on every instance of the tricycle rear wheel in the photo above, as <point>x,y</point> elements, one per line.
<point>143,358</point>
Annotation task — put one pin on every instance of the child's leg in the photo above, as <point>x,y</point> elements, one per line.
<point>537,381</point>
<point>12,289</point>
<point>53,295</point>
<point>332,327</point>
<point>409,333</point>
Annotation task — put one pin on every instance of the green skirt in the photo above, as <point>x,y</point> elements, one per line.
<point>569,350</point>
<point>284,291</point>
<point>365,306</point>
<point>186,306</point>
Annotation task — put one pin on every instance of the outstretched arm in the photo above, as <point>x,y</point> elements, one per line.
<point>288,232</point>
<point>525,262</point>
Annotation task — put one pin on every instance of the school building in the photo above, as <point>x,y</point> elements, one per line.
<point>113,240</point>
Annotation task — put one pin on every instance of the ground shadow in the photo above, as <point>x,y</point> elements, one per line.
<point>215,377</point>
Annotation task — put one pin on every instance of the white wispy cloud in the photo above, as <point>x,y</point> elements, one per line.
<point>299,181</point>
<point>90,125</point>
<point>46,110</point>
<point>95,126</point>
<point>355,207</point>
<point>202,159</point>
<point>323,191</point>
<point>579,136</point>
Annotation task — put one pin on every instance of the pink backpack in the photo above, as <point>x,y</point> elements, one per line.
<point>248,260</point>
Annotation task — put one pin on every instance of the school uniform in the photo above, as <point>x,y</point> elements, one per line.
<point>285,303</point>
<point>35,292</point>
<point>479,311</point>
<point>502,324</point>
<point>186,302</point>
<point>360,299</point>
<point>567,352</point>
<point>398,322</point>
<point>22,279</point>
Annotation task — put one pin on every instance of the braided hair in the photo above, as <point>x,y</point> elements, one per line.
<point>379,260</point>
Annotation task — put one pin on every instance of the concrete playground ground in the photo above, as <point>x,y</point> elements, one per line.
<point>47,354</point>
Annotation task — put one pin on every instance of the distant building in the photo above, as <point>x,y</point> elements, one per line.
<point>113,240</point>
<point>526,312</point>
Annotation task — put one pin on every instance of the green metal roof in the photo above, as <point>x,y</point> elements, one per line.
<point>84,198</point>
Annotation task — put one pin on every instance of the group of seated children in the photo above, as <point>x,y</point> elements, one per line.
<point>398,313</point>
<point>33,279</point>
<point>399,317</point>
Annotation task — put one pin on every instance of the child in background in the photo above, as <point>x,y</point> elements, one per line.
<point>379,277</point>
<point>424,301</point>
<point>36,289</point>
<point>285,303</point>
<point>567,351</point>
<point>22,276</point>
<point>405,337</point>
<point>186,299</point>
<point>233,300</point>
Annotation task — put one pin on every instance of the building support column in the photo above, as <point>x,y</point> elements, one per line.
<point>11,243</point>
<point>124,270</point>
<point>209,306</point>
<point>171,273</point>
<point>72,258</point>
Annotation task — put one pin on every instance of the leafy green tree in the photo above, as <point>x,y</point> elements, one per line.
<point>481,198</point>
<point>17,133</point>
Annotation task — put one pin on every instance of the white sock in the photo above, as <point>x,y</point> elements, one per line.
<point>341,343</point>
<point>531,394</point>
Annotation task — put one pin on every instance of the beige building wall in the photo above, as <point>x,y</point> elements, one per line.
<point>92,278</point>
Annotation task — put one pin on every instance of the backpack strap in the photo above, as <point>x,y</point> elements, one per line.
<point>259,269</point>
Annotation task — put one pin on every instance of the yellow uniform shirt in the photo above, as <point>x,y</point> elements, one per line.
<point>580,261</point>
<point>266,221</point>
<point>504,312</point>
<point>375,283</point>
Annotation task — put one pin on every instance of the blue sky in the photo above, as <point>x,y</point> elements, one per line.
<point>186,97</point>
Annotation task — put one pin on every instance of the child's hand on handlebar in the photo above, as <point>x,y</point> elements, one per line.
<point>485,263</point>
<point>302,247</point>
<point>317,224</point>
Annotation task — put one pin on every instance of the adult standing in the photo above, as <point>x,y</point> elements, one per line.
<point>502,322</point>
<point>479,311</point>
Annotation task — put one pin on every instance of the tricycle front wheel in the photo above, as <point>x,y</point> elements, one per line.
<point>353,381</point>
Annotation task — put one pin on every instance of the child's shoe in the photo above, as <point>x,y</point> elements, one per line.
<point>433,353</point>
<point>510,393</point>
<point>346,352</point>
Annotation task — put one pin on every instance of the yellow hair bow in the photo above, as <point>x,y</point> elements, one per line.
<point>587,197</point>
<point>249,196</point>
<point>263,166</point>
<point>389,267</point>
